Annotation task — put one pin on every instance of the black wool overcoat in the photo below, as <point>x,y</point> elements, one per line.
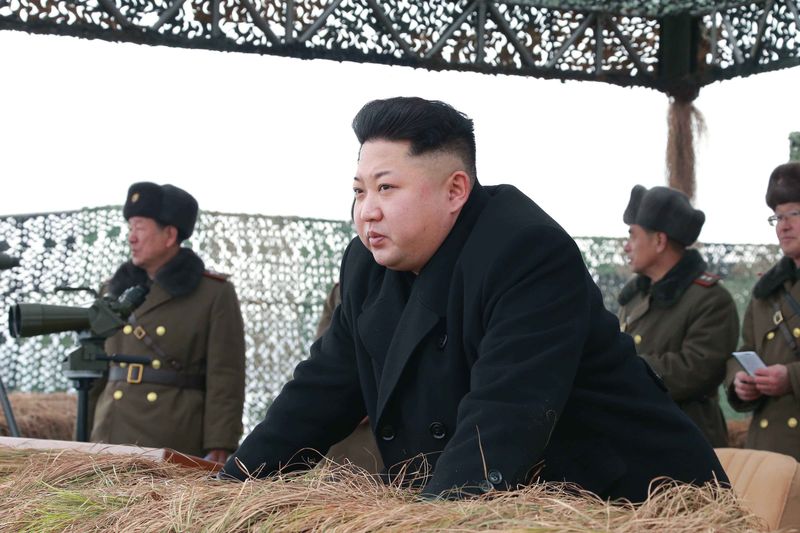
<point>498,363</point>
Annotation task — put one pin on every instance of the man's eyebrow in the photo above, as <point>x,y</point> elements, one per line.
<point>378,175</point>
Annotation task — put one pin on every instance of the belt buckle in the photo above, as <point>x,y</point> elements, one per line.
<point>137,378</point>
<point>139,332</point>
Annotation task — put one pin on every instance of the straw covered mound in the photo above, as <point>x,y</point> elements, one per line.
<point>57,491</point>
<point>42,415</point>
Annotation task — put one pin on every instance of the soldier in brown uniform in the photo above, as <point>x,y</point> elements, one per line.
<point>771,329</point>
<point>683,322</point>
<point>191,396</point>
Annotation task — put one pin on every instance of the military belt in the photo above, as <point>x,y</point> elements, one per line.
<point>136,373</point>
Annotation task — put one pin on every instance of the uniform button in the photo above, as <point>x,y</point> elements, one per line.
<point>123,365</point>
<point>770,335</point>
<point>152,396</point>
<point>387,433</point>
<point>637,339</point>
<point>117,394</point>
<point>796,332</point>
<point>763,423</point>
<point>792,422</point>
<point>485,486</point>
<point>494,477</point>
<point>156,364</point>
<point>127,330</point>
<point>442,342</point>
<point>438,431</point>
<point>161,331</point>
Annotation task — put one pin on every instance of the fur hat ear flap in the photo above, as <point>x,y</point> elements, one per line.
<point>784,185</point>
<point>666,210</point>
<point>637,193</point>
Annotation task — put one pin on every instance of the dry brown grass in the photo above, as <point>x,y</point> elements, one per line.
<point>42,415</point>
<point>71,491</point>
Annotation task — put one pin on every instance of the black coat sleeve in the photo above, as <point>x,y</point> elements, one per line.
<point>320,406</point>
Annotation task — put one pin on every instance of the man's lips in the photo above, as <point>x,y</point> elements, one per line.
<point>375,238</point>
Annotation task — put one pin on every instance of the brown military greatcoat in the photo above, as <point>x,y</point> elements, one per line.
<point>190,326</point>
<point>775,419</point>
<point>685,325</point>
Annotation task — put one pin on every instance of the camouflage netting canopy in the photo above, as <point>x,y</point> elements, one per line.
<point>671,46</point>
<point>282,269</point>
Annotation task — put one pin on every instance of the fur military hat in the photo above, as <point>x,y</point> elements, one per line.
<point>667,210</point>
<point>166,204</point>
<point>784,185</point>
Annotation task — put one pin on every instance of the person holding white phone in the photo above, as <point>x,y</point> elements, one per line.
<point>771,328</point>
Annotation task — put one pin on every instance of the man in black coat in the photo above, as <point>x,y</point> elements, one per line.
<point>472,335</point>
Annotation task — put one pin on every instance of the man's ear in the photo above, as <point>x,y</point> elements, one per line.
<point>662,241</point>
<point>458,189</point>
<point>172,235</point>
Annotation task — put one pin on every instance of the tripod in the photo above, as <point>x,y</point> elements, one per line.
<point>7,411</point>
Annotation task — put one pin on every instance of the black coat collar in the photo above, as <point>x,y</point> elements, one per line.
<point>179,277</point>
<point>668,290</point>
<point>773,279</point>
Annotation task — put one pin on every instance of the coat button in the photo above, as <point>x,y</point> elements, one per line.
<point>796,332</point>
<point>438,430</point>
<point>152,396</point>
<point>123,365</point>
<point>494,477</point>
<point>117,394</point>
<point>127,330</point>
<point>442,342</point>
<point>770,335</point>
<point>156,364</point>
<point>387,433</point>
<point>161,331</point>
<point>792,422</point>
<point>637,339</point>
<point>485,486</point>
<point>763,423</point>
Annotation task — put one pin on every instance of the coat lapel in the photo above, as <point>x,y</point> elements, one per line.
<point>379,318</point>
<point>155,297</point>
<point>426,306</point>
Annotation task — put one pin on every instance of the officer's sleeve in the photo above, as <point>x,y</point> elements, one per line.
<point>698,368</point>
<point>225,363</point>
<point>318,407</point>
<point>794,379</point>
<point>733,366</point>
<point>536,314</point>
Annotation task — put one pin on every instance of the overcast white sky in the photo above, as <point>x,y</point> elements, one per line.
<point>244,133</point>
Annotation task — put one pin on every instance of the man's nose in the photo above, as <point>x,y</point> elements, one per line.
<point>370,210</point>
<point>626,246</point>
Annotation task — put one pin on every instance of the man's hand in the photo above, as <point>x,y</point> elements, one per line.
<point>218,455</point>
<point>773,380</point>
<point>745,387</point>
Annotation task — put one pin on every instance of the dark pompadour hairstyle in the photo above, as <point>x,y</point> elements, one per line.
<point>430,126</point>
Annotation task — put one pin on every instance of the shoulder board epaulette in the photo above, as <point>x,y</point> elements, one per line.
<point>707,279</point>
<point>216,275</point>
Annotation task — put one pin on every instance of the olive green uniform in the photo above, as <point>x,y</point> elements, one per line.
<point>685,326</point>
<point>775,419</point>
<point>192,396</point>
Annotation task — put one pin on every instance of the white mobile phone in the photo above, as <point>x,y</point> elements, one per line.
<point>750,361</point>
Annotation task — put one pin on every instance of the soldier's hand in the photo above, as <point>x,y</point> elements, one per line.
<point>745,387</point>
<point>773,380</point>
<point>218,455</point>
